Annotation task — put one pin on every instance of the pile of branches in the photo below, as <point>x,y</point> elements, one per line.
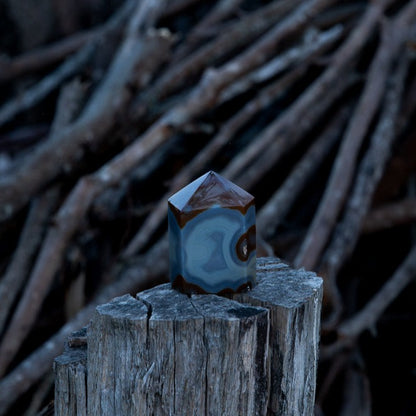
<point>306,104</point>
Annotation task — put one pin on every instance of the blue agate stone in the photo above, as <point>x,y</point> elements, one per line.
<point>212,237</point>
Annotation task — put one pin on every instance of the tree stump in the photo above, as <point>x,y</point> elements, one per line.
<point>168,353</point>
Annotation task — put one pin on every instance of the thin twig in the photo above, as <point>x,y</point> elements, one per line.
<point>30,240</point>
<point>313,46</point>
<point>369,174</point>
<point>221,10</point>
<point>277,207</point>
<point>337,366</point>
<point>48,55</point>
<point>241,33</point>
<point>52,81</point>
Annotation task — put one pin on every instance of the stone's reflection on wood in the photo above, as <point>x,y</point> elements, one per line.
<point>212,237</point>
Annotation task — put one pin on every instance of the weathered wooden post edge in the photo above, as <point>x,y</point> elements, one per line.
<point>168,353</point>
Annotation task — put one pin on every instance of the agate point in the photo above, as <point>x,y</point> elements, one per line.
<point>212,237</point>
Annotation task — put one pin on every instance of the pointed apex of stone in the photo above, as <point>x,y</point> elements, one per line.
<point>209,190</point>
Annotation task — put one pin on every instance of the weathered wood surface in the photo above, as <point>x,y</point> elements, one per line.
<point>166,353</point>
<point>293,298</point>
<point>71,377</point>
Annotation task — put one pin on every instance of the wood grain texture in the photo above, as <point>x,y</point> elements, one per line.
<point>71,377</point>
<point>293,298</point>
<point>167,353</point>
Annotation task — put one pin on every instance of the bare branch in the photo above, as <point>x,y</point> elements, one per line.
<point>275,210</point>
<point>370,314</point>
<point>389,215</point>
<point>52,81</point>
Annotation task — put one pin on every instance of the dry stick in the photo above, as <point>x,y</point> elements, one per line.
<point>69,105</point>
<point>389,215</point>
<point>48,55</point>
<point>327,81</point>
<point>369,315</point>
<point>177,6</point>
<point>368,176</point>
<point>219,12</point>
<point>67,219</point>
<point>137,60</point>
<point>69,102</point>
<point>314,45</point>
<point>366,319</point>
<point>30,239</point>
<point>226,133</point>
<point>133,277</point>
<point>341,13</point>
<point>38,59</point>
<point>337,366</point>
<point>343,170</point>
<point>244,31</point>
<point>277,207</point>
<point>39,91</point>
<point>357,393</point>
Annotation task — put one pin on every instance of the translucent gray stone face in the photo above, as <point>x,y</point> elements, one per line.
<point>212,236</point>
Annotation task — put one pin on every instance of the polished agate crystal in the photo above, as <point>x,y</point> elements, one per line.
<point>212,237</point>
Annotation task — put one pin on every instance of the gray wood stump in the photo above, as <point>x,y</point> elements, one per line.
<point>71,377</point>
<point>166,353</point>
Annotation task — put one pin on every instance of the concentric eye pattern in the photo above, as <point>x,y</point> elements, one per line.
<point>212,236</point>
<point>217,250</point>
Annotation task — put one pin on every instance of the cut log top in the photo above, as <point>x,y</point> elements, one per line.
<point>169,353</point>
<point>289,288</point>
<point>167,303</point>
<point>163,303</point>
